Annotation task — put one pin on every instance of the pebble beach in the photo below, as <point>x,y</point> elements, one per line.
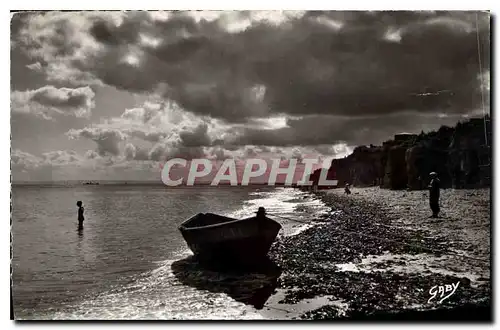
<point>377,255</point>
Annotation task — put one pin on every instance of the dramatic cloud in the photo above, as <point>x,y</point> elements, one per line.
<point>246,84</point>
<point>91,154</point>
<point>23,160</point>
<point>165,151</point>
<point>162,130</point>
<point>335,130</point>
<point>107,140</point>
<point>35,66</point>
<point>338,63</point>
<point>52,158</point>
<point>135,153</point>
<point>69,165</point>
<point>48,101</point>
<point>62,157</point>
<point>197,137</point>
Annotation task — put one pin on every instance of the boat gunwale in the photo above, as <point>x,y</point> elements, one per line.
<point>183,227</point>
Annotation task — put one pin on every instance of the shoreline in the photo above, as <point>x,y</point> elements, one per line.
<point>377,254</point>
<point>330,274</point>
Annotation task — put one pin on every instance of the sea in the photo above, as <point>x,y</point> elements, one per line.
<point>130,260</point>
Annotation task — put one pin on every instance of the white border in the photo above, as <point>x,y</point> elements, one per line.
<point>185,4</point>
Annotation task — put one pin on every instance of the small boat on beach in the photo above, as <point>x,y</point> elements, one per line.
<point>219,240</point>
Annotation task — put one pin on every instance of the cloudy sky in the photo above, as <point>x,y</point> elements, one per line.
<point>111,95</point>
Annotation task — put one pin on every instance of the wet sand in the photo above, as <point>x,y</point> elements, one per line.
<point>378,254</point>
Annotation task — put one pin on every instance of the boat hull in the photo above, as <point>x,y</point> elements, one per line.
<point>231,242</point>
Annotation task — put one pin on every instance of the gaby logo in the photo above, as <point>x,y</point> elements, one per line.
<point>233,172</point>
<point>443,291</point>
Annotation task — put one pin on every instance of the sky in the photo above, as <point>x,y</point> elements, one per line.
<point>113,95</point>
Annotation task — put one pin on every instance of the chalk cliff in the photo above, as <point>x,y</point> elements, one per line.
<point>461,156</point>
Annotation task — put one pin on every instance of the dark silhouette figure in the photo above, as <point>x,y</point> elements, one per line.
<point>347,190</point>
<point>434,187</point>
<point>261,213</point>
<point>80,214</point>
<point>260,217</point>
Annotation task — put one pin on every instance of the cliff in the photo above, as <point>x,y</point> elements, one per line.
<point>461,156</point>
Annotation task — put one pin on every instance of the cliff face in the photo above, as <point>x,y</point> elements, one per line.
<point>341,168</point>
<point>470,156</point>
<point>395,170</point>
<point>414,158</point>
<point>458,154</point>
<point>366,166</point>
<point>362,168</point>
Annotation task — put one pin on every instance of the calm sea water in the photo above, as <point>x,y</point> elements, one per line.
<point>120,265</point>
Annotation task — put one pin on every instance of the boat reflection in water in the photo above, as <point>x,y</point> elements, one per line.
<point>249,286</point>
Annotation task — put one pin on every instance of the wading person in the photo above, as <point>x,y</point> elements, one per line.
<point>80,215</point>
<point>434,194</point>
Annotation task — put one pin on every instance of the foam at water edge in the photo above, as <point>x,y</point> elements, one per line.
<point>159,295</point>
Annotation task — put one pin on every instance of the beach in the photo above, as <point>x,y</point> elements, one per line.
<point>378,255</point>
<point>337,256</point>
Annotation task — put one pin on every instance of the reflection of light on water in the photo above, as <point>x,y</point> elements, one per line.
<point>284,202</point>
<point>281,201</point>
<point>158,294</point>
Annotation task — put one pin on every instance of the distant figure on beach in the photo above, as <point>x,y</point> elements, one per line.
<point>434,194</point>
<point>80,214</point>
<point>347,190</point>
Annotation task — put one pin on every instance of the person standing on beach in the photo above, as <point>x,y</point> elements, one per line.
<point>434,187</point>
<point>347,190</point>
<point>80,214</point>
